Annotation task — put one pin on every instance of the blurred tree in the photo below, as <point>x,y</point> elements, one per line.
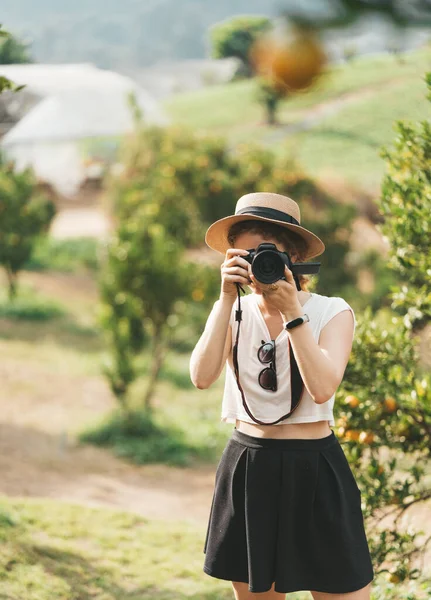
<point>25,215</point>
<point>287,64</point>
<point>339,13</point>
<point>12,50</point>
<point>349,52</point>
<point>236,36</point>
<point>406,207</point>
<point>5,83</point>
<point>270,98</point>
<point>145,286</point>
<point>384,401</point>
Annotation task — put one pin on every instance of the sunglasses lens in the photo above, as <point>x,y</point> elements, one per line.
<point>268,379</point>
<point>266,353</point>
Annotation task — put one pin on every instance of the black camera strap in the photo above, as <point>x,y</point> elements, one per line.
<point>296,384</point>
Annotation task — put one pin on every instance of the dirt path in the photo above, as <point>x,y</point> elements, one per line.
<point>47,396</point>
<point>82,221</point>
<point>35,464</point>
<point>41,408</point>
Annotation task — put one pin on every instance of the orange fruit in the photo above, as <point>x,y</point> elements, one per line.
<point>366,437</point>
<point>390,404</point>
<point>352,401</point>
<point>215,187</point>
<point>352,434</point>
<point>197,295</point>
<point>394,578</point>
<point>289,65</point>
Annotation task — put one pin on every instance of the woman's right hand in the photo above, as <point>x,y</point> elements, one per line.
<point>234,269</point>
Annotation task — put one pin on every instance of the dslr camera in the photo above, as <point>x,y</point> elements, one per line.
<point>268,264</point>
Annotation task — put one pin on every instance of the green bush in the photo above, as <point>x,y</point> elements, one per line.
<point>68,255</point>
<point>30,307</point>
<point>135,435</point>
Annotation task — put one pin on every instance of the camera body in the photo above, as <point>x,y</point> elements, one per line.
<point>268,264</point>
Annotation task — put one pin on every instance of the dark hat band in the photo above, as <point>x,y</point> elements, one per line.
<point>269,213</point>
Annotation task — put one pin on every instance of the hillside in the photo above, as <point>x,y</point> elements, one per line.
<point>335,129</point>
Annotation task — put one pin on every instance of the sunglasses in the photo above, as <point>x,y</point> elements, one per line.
<point>268,376</point>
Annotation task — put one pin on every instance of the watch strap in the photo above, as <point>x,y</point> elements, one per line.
<point>295,322</point>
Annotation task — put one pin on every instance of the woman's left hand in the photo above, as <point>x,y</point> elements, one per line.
<point>283,294</point>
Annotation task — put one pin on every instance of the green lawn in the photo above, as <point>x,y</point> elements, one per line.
<point>377,90</point>
<point>51,549</point>
<point>55,550</point>
<point>349,143</point>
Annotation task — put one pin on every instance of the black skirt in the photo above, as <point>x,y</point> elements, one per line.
<point>287,511</point>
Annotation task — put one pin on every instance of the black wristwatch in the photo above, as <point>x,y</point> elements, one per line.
<point>296,322</point>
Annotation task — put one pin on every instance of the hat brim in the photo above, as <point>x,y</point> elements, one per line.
<point>216,235</point>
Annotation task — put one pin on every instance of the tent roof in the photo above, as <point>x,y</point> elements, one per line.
<point>78,101</point>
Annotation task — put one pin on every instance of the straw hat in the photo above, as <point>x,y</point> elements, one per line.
<point>264,206</point>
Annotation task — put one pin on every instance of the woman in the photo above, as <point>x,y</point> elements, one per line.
<point>286,512</point>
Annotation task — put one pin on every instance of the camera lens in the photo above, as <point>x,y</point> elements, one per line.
<point>268,266</point>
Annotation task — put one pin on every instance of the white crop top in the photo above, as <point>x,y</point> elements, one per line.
<point>267,405</point>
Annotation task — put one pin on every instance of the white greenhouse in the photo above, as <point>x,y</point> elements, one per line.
<point>61,108</point>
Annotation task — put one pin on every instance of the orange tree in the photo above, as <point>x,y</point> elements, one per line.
<point>172,185</point>
<point>25,215</point>
<point>147,285</point>
<point>384,414</point>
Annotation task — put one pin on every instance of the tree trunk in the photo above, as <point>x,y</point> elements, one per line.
<point>12,280</point>
<point>156,365</point>
<point>271,111</point>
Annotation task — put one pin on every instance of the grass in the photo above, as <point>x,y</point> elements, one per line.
<point>137,436</point>
<point>351,140</point>
<point>52,549</point>
<point>347,143</point>
<point>55,550</point>
<point>35,318</point>
<point>69,255</point>
<point>28,306</point>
